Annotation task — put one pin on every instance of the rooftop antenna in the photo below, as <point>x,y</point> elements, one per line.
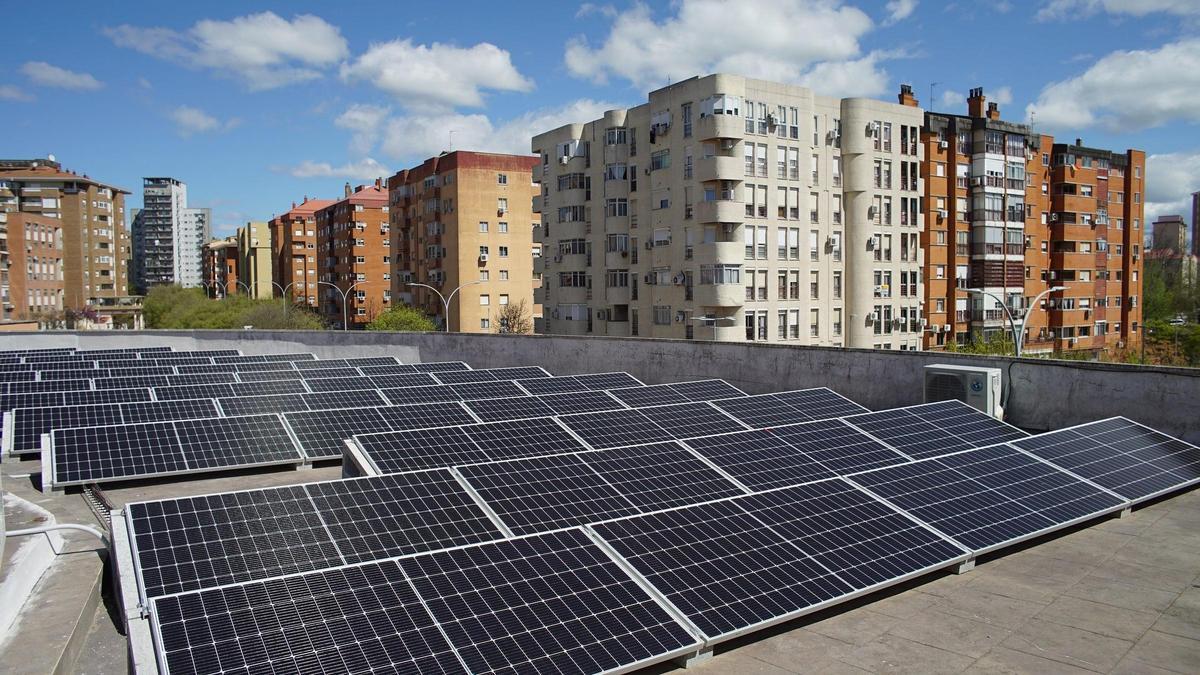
<point>452,139</point>
<point>931,86</point>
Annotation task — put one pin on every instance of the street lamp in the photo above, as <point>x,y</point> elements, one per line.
<point>248,293</point>
<point>206,286</point>
<point>283,289</point>
<point>345,294</point>
<point>1018,337</point>
<point>445,299</point>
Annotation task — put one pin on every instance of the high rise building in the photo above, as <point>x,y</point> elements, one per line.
<point>294,244</point>
<point>1196,224</point>
<point>728,208</point>
<point>168,235</point>
<point>254,259</point>
<point>1170,234</point>
<point>1011,213</point>
<point>94,243</point>
<point>465,218</point>
<point>36,246</point>
<point>354,255</point>
<point>220,267</point>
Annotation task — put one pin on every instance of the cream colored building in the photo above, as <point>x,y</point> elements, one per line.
<point>735,209</point>
<point>254,259</point>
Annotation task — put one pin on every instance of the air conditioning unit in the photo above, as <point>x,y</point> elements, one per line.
<point>975,386</point>
<point>772,120</point>
<point>649,245</point>
<point>1054,217</point>
<point>871,244</point>
<point>977,181</point>
<point>943,144</point>
<point>728,143</point>
<point>872,127</point>
<point>830,137</point>
<point>947,328</point>
<point>941,214</point>
<point>563,160</point>
<point>923,322</point>
<point>870,319</point>
<point>483,257</point>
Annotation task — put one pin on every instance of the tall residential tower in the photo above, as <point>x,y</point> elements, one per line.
<point>168,236</point>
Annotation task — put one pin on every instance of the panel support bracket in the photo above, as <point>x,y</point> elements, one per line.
<point>695,658</point>
<point>965,566</point>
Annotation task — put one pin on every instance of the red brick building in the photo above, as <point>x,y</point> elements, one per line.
<point>354,254</point>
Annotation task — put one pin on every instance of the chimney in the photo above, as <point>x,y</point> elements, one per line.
<point>975,102</point>
<point>993,112</point>
<point>906,96</point>
<point>1078,142</point>
<point>378,183</point>
<point>293,203</point>
<point>347,189</point>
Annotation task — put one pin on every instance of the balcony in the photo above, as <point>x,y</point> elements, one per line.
<point>571,295</point>
<point>719,167</point>
<point>719,126</point>
<point>539,296</point>
<point>709,253</point>
<point>720,211</point>
<point>720,295</point>
<point>563,327</point>
<point>617,295</point>
<point>538,203</point>
<point>616,259</point>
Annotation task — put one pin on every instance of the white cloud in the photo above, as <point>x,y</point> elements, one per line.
<point>437,75</point>
<point>1170,181</point>
<point>363,169</point>
<point>47,75</point>
<point>1076,9</point>
<point>588,9</point>
<point>189,121</point>
<point>899,10</point>
<point>756,38</point>
<point>416,137</point>
<point>9,92</point>
<point>144,83</point>
<point>1001,95</point>
<point>952,99</point>
<point>1127,90</point>
<point>365,121</point>
<point>856,77</point>
<point>263,50</point>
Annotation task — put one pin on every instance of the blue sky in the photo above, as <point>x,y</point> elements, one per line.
<point>255,106</point>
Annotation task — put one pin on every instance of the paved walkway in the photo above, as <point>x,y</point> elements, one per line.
<point>1120,596</point>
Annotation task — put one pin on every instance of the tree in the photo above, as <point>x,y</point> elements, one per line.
<point>515,318</point>
<point>190,308</point>
<point>402,318</point>
<point>281,314</point>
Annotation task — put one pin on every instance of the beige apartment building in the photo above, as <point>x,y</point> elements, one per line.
<point>727,208</point>
<point>95,243</point>
<point>254,259</point>
<point>465,219</point>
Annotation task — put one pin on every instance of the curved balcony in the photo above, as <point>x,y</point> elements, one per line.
<point>720,211</point>
<point>617,295</point>
<point>539,296</point>
<point>719,252</point>
<point>720,295</point>
<point>616,224</point>
<point>720,167</point>
<point>719,126</point>
<point>615,260</point>
<point>538,203</point>
<point>570,295</point>
<point>573,230</point>
<point>561,327</point>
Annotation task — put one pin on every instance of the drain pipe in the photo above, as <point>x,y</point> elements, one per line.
<point>63,526</point>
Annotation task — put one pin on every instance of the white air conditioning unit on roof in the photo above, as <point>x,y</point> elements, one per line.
<point>977,387</point>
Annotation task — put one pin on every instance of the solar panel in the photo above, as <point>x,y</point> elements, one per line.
<point>321,364</point>
<point>105,396</point>
<point>536,494</point>
<point>136,371</point>
<point>580,401</point>
<point>326,373</point>
<point>400,514</point>
<point>820,403</point>
<point>401,380</point>
<point>343,399</point>
<point>659,475</point>
<point>261,367</point>
<point>341,383</point>
<point>263,375</point>
<point>284,625</point>
<point>396,369</point>
<point>185,361</point>
<point>440,366</point>
<point>396,451</point>
<point>17,368</point>
<point>724,569</point>
<point>424,416</point>
<point>265,358</point>
<point>519,372</point>
<point>640,397</point>
<point>1132,460</point>
<point>135,382</point>
<point>706,390</point>
<point>217,390</point>
<point>464,376</point>
<point>522,438</point>
<point>988,497</point>
<point>28,424</point>
<point>551,603</point>
<point>760,460</point>
<point>552,385</point>
<point>615,428</point>
<point>235,441</point>
<point>18,376</point>
<point>432,394</point>
<point>159,411</point>
<point>252,405</point>
<point>210,540</point>
<point>761,411</point>
<point>73,374</point>
<point>323,434</point>
<point>273,387</point>
<point>838,446</point>
<point>935,428</point>
<point>478,390</point>
<point>51,385</point>
<point>198,353</point>
<point>362,361</point>
<point>687,420</point>
<point>608,380</point>
<point>494,409</point>
<point>93,454</point>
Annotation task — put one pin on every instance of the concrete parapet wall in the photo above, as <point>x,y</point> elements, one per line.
<point>1044,394</point>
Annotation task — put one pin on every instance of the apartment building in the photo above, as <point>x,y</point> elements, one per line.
<point>168,235</point>
<point>219,263</point>
<point>354,255</point>
<point>1013,214</point>
<point>95,245</point>
<point>294,245</point>
<point>465,218</point>
<point>1170,234</point>
<point>36,246</point>
<point>728,208</point>
<point>254,259</point>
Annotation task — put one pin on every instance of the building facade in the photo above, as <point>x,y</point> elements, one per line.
<point>219,263</point>
<point>1010,214</point>
<point>728,208</point>
<point>294,244</point>
<point>1196,224</point>
<point>1170,234</point>
<point>36,246</point>
<point>354,256</point>
<point>168,235</point>
<point>465,218</point>
<point>254,259</point>
<point>95,244</point>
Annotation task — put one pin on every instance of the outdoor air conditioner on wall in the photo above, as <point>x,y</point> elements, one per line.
<point>975,386</point>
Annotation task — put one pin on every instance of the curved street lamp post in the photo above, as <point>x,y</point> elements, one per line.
<point>1018,333</point>
<point>345,294</point>
<point>445,299</point>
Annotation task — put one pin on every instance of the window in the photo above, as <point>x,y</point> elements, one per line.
<point>503,299</point>
<point>483,226</point>
<point>686,114</point>
<point>484,275</point>
<point>503,251</point>
<point>503,226</point>
<point>502,205</point>
<point>502,179</point>
<point>662,315</point>
<point>660,160</point>
<point>485,324</point>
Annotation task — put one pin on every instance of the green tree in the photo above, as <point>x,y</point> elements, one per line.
<point>402,318</point>
<point>280,314</point>
<point>515,318</point>
<point>189,308</point>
